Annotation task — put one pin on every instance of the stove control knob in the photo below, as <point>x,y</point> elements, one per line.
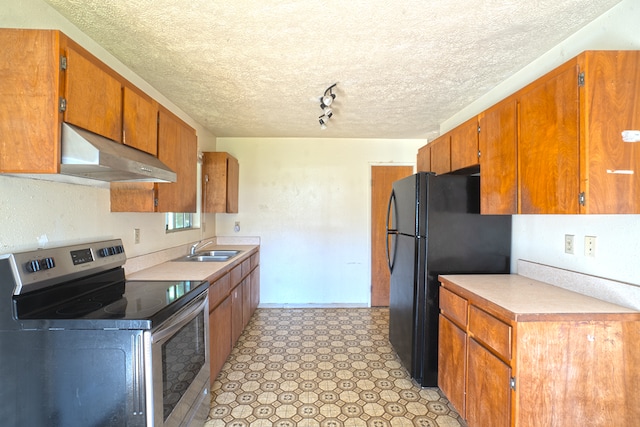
<point>47,263</point>
<point>33,266</point>
<point>103,252</point>
<point>111,250</point>
<point>40,264</point>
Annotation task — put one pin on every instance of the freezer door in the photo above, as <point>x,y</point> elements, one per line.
<point>404,209</point>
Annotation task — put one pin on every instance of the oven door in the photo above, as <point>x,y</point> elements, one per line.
<point>180,367</point>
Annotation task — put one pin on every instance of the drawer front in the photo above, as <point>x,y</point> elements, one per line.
<point>491,332</point>
<point>236,275</point>
<point>246,266</point>
<point>255,260</point>
<point>453,307</point>
<point>218,291</point>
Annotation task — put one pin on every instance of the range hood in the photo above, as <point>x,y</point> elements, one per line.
<point>88,155</point>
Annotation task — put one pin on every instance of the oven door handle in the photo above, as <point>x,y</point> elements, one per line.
<point>183,317</point>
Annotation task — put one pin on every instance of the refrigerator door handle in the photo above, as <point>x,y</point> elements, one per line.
<point>390,231</point>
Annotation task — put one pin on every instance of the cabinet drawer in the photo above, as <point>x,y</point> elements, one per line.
<point>236,275</point>
<point>218,291</point>
<point>491,332</point>
<point>453,307</point>
<point>255,260</point>
<point>246,266</point>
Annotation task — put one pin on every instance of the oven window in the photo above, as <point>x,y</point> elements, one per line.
<point>183,355</point>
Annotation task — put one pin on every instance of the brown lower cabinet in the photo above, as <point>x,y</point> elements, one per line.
<point>514,352</point>
<point>233,298</point>
<point>219,336</point>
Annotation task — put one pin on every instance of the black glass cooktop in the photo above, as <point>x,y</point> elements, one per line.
<point>108,297</point>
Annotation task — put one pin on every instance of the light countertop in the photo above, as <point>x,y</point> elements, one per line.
<point>521,298</point>
<point>193,270</point>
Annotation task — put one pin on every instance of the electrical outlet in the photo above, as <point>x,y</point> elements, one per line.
<point>236,227</point>
<point>590,246</point>
<point>136,235</point>
<point>568,243</point>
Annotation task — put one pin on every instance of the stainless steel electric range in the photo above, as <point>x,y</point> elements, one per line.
<point>82,346</point>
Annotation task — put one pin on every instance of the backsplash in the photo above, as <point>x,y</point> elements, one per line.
<point>624,294</point>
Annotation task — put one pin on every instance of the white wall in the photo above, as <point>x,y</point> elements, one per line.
<point>39,213</point>
<point>540,238</point>
<point>310,202</point>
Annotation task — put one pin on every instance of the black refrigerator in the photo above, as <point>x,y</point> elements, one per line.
<point>434,227</point>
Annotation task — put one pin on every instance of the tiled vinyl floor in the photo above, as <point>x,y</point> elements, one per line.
<point>317,367</point>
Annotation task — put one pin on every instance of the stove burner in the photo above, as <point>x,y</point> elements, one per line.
<point>79,308</point>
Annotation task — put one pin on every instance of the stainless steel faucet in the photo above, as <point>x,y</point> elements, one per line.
<point>198,245</point>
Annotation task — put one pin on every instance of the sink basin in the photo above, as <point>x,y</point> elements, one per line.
<point>219,252</point>
<point>210,256</point>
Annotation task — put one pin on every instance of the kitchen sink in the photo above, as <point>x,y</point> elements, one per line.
<point>210,256</point>
<point>219,252</point>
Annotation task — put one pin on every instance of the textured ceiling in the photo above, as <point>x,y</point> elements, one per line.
<point>249,68</point>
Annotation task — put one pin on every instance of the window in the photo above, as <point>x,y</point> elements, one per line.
<point>179,221</point>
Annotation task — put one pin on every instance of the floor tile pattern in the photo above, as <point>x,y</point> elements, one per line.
<point>330,367</point>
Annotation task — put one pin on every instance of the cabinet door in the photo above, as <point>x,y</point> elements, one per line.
<point>133,196</point>
<point>548,145</point>
<point>452,353</point>
<point>220,175</point>
<point>441,154</point>
<point>94,97</point>
<point>255,289</point>
<point>488,389</point>
<point>246,302</point>
<point>29,88</point>
<point>219,336</point>
<point>140,121</point>
<point>464,145</point>
<point>610,104</point>
<point>236,314</point>
<point>423,161</point>
<point>498,159</point>
<point>178,149</point>
<point>233,176</point>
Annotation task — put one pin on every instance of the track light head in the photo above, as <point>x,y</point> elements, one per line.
<point>323,121</point>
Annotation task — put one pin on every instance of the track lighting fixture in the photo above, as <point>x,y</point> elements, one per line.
<point>325,102</point>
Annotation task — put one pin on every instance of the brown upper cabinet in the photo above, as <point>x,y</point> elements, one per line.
<point>556,146</point>
<point>548,143</point>
<point>140,120</point>
<point>423,163</point>
<point>498,158</point>
<point>571,154</point>
<point>464,145</point>
<point>51,79</point>
<point>220,176</point>
<point>441,154</point>
<point>178,149</point>
<point>93,95</point>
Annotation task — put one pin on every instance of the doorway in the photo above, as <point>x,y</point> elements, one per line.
<point>382,179</point>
